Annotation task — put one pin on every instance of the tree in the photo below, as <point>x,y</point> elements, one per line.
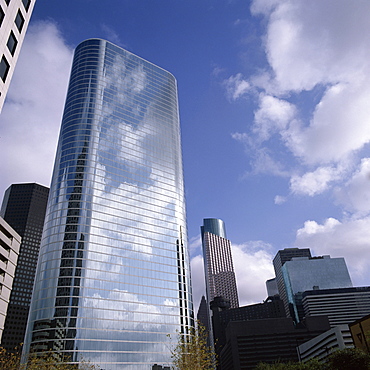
<point>45,361</point>
<point>310,365</point>
<point>349,359</point>
<point>192,352</point>
<point>344,359</point>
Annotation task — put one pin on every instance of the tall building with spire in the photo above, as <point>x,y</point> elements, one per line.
<point>218,263</point>
<point>113,277</point>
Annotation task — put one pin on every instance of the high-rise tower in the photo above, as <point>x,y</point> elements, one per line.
<point>113,276</point>
<point>23,208</point>
<point>218,263</point>
<point>281,257</point>
<point>14,18</point>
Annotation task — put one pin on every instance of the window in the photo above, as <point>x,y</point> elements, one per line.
<point>7,2</point>
<point>26,4</point>
<point>12,43</point>
<point>19,21</point>
<point>4,68</point>
<point>2,15</point>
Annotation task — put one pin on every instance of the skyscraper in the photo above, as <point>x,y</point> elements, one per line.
<point>281,257</point>
<point>218,263</point>
<point>14,18</point>
<point>304,273</point>
<point>113,277</point>
<point>23,208</point>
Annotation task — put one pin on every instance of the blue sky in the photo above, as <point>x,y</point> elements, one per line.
<point>274,105</point>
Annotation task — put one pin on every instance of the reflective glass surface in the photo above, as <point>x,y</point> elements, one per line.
<point>113,276</point>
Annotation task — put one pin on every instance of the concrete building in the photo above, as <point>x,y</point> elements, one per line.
<point>342,306</point>
<point>326,343</point>
<point>23,208</point>
<point>14,19</point>
<point>218,262</point>
<point>222,315</point>
<point>113,277</point>
<point>268,340</point>
<point>9,249</point>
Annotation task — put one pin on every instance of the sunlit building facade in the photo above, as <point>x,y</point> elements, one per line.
<point>14,19</point>
<point>218,262</point>
<point>113,276</point>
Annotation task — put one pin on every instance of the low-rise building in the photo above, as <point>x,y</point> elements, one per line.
<point>9,250</point>
<point>326,343</point>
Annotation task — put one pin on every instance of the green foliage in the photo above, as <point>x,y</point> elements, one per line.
<point>349,359</point>
<point>191,351</point>
<point>345,359</point>
<point>46,361</point>
<point>310,365</point>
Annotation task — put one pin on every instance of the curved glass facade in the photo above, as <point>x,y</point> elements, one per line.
<point>113,275</point>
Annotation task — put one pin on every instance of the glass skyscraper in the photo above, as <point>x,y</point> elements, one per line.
<point>113,277</point>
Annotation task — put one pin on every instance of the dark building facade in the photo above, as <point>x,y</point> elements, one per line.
<point>222,315</point>
<point>267,340</point>
<point>23,208</point>
<point>342,305</point>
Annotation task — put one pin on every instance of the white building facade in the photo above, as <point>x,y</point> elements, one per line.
<point>14,19</point>
<point>9,250</point>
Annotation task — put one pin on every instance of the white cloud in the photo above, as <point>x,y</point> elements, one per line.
<point>195,244</point>
<point>316,47</point>
<point>315,42</point>
<point>355,194</point>
<point>236,86</point>
<point>33,109</point>
<point>111,34</point>
<point>349,239</point>
<point>252,265</point>
<point>279,199</point>
<point>340,125</point>
<point>261,158</point>
<point>273,115</point>
<point>198,282</point>
<point>313,183</point>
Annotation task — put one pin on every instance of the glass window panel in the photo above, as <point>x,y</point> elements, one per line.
<point>19,21</point>
<point>4,68</point>
<point>26,4</point>
<point>12,43</point>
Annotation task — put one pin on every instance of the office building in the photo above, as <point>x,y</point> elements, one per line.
<point>23,208</point>
<point>14,18</point>
<point>222,315</point>
<point>322,346</point>
<point>272,288</point>
<point>113,278</point>
<point>303,273</point>
<point>281,257</point>
<point>218,262</point>
<point>270,341</point>
<point>9,249</point>
<point>342,306</point>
